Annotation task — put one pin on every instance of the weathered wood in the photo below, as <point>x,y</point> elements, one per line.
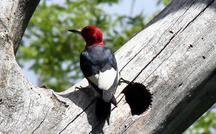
<point>174,57</point>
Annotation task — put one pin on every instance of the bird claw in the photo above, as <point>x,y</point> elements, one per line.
<point>122,80</point>
<point>108,122</point>
<point>113,101</point>
<point>44,86</point>
<point>80,87</point>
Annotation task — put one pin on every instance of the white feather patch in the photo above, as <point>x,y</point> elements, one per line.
<point>104,80</point>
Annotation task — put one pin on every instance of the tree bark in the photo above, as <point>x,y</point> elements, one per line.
<point>173,57</point>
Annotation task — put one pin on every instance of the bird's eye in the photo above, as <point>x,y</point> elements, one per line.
<point>87,29</point>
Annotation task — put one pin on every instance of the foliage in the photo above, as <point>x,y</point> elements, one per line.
<point>203,125</point>
<point>164,2</point>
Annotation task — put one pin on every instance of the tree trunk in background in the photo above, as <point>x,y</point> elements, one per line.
<point>173,57</point>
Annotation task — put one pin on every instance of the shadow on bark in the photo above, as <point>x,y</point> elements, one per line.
<point>86,99</point>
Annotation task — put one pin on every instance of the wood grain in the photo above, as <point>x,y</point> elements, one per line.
<point>173,57</point>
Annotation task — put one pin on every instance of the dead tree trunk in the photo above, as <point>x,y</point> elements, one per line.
<point>173,56</point>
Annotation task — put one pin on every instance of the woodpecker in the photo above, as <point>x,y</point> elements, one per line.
<point>98,64</point>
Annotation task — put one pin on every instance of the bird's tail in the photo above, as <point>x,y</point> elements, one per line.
<point>103,110</point>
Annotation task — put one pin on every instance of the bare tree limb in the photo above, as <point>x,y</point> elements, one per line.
<point>173,57</point>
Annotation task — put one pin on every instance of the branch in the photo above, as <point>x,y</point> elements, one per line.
<point>173,57</point>
<point>14,18</point>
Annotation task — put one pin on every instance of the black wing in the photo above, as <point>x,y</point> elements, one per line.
<point>95,59</point>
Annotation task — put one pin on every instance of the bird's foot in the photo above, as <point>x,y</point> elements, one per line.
<point>108,122</point>
<point>44,86</point>
<point>122,80</point>
<point>113,101</point>
<point>79,87</point>
<point>82,87</point>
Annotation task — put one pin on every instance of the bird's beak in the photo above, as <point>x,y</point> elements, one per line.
<point>75,31</point>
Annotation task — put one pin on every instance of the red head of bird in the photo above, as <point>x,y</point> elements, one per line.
<point>92,35</point>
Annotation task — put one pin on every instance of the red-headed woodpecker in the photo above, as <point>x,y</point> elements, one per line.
<point>98,64</point>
